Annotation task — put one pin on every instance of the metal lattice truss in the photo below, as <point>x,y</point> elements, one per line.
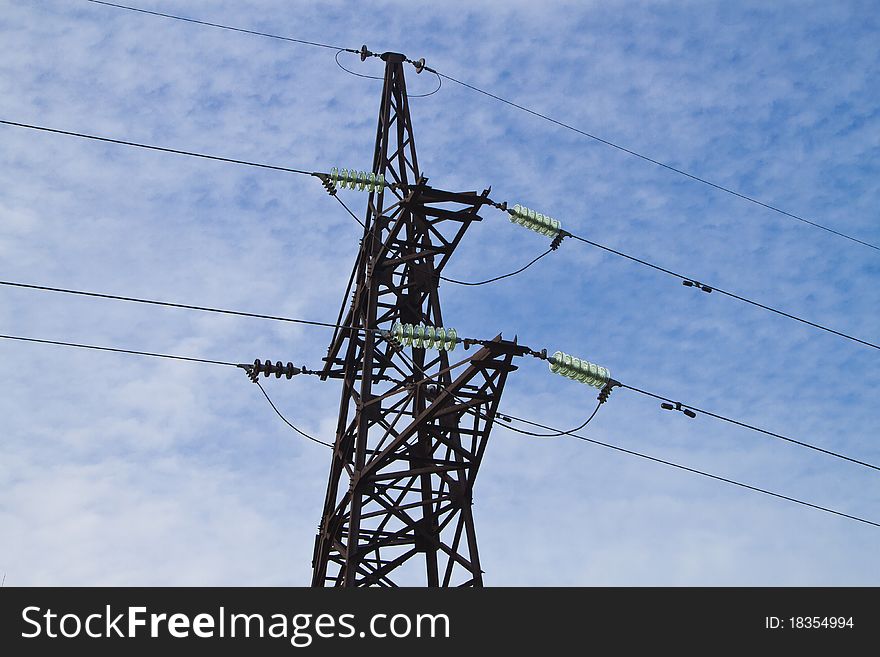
<point>412,430</point>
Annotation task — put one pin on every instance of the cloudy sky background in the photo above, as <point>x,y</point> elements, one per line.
<point>119,470</point>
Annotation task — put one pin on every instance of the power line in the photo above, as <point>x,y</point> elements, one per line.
<point>704,181</point>
<point>329,325</point>
<point>168,304</point>
<point>558,434</point>
<point>511,103</point>
<point>239,313</point>
<point>733,482</point>
<point>361,452</point>
<point>512,417</point>
<point>577,237</point>
<point>161,149</point>
<point>712,288</point>
<point>501,415</point>
<point>348,209</point>
<point>497,278</point>
<point>287,422</point>
<point>381,77</point>
<point>220,26</point>
<point>751,427</point>
<point>681,406</point>
<point>177,152</point>
<point>165,356</point>
<point>692,282</point>
<point>131,352</point>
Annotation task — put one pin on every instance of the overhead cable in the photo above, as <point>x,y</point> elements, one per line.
<point>220,26</point>
<point>162,149</point>
<point>678,466</point>
<point>523,108</point>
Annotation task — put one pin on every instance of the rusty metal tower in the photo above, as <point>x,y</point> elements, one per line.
<point>412,427</point>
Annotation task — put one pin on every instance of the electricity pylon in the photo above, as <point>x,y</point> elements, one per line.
<point>412,428</point>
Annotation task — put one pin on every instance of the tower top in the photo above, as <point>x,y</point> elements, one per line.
<point>393,57</point>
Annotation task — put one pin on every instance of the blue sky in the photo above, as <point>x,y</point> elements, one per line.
<point>117,470</point>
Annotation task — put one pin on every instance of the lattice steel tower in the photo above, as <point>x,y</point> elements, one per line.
<point>412,429</point>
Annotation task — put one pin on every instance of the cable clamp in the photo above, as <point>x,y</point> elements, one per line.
<point>678,407</point>
<point>328,185</point>
<point>390,339</point>
<point>542,355</point>
<point>605,392</point>
<point>561,235</point>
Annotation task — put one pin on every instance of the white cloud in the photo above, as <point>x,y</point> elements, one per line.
<point>117,470</point>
